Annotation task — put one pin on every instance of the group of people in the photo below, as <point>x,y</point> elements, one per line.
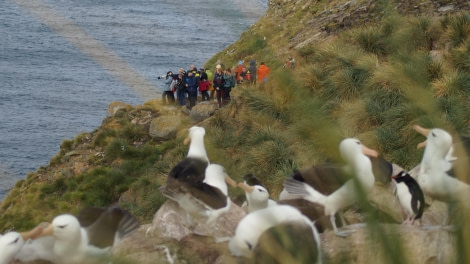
<point>188,84</point>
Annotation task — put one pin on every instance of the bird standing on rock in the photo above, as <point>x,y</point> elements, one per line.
<point>411,197</point>
<point>193,167</point>
<point>354,153</point>
<point>199,188</point>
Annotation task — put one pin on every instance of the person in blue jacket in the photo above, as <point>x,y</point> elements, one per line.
<point>181,87</point>
<point>191,88</point>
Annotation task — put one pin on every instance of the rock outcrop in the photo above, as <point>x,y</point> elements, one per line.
<point>171,221</point>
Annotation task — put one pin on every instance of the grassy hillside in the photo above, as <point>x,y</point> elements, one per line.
<point>368,74</point>
<point>372,82</point>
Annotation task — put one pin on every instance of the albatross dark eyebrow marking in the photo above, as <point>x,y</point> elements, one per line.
<point>250,247</point>
<point>62,226</point>
<point>432,133</point>
<point>16,241</point>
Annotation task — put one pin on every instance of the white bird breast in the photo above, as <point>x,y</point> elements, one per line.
<point>404,196</point>
<point>254,224</point>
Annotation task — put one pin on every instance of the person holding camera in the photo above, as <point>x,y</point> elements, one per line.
<point>168,88</point>
<point>180,87</point>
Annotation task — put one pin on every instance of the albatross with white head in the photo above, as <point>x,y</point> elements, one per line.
<point>202,198</point>
<point>196,185</point>
<point>355,155</point>
<point>433,177</point>
<point>257,196</point>
<point>254,224</point>
<point>12,242</point>
<point>91,236</point>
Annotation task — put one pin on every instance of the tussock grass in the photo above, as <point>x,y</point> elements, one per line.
<point>312,76</point>
<point>456,83</point>
<point>354,119</point>
<point>381,101</point>
<point>372,83</point>
<point>457,28</point>
<point>370,40</point>
<point>460,56</point>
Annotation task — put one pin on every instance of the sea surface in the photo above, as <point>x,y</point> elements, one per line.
<point>62,62</point>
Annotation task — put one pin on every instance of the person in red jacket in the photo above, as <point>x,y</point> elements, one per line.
<point>204,85</point>
<point>238,72</point>
<point>263,72</point>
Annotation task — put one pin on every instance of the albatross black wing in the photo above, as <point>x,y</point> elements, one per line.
<point>325,178</point>
<point>191,170</point>
<point>111,223</point>
<point>209,195</point>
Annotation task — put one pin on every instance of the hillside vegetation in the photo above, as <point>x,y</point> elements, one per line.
<point>364,69</point>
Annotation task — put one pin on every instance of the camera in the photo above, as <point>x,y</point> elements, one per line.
<point>161,77</point>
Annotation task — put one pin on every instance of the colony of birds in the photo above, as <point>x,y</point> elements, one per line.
<point>309,196</point>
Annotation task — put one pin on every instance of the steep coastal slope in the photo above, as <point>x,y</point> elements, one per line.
<point>366,69</point>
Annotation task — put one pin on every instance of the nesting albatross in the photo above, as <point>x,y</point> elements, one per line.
<point>255,224</point>
<point>12,242</point>
<point>198,187</point>
<point>257,196</point>
<point>207,198</point>
<point>193,167</point>
<point>91,236</point>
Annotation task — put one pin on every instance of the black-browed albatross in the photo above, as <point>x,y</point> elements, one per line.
<point>91,235</point>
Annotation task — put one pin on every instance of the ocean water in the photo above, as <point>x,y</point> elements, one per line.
<point>62,62</point>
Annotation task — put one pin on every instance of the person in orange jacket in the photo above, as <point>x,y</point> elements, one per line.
<point>263,72</point>
<point>238,72</point>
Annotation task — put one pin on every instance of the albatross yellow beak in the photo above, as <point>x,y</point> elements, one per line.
<point>422,131</point>
<point>422,144</point>
<point>187,140</point>
<point>230,181</point>
<point>246,188</point>
<point>369,152</point>
<point>32,234</point>
<point>48,231</point>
